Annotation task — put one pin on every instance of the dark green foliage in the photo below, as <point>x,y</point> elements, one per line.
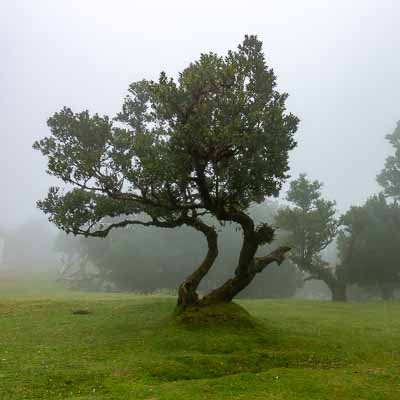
<point>369,246</point>
<point>311,226</point>
<point>213,142</point>
<point>223,117</point>
<point>389,178</point>
<point>311,223</point>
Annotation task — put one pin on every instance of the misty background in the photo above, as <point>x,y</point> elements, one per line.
<point>338,61</point>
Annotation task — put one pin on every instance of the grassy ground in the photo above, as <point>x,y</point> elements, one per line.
<point>131,347</point>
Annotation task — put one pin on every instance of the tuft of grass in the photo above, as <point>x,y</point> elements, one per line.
<point>137,347</point>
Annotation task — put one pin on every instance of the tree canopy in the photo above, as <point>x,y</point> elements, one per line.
<point>369,245</point>
<point>311,225</point>
<point>214,141</point>
<point>389,178</point>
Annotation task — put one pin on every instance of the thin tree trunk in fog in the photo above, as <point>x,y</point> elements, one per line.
<point>338,291</point>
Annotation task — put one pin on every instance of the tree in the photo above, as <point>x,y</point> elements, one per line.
<point>154,259</point>
<point>389,178</point>
<point>213,142</point>
<point>311,225</point>
<point>369,245</point>
<point>74,260</point>
<point>27,247</point>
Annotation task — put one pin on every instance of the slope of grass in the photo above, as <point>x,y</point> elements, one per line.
<point>133,347</point>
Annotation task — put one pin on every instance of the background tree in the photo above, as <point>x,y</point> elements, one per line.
<point>26,247</point>
<point>213,142</point>
<point>389,178</point>
<point>311,225</point>
<point>76,258</point>
<point>369,245</point>
<point>150,259</point>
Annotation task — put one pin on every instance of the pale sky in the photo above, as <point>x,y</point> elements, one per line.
<point>338,60</point>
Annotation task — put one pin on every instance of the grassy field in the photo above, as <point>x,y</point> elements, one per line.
<point>132,347</point>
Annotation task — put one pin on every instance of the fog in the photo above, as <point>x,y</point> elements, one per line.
<point>337,60</point>
<point>233,301</point>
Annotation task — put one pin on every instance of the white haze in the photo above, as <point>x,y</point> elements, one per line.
<point>338,60</point>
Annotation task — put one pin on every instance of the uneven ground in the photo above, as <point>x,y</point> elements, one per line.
<point>131,347</point>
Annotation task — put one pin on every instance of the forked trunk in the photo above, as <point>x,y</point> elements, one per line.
<point>244,274</point>
<point>242,278</point>
<point>248,265</point>
<point>228,290</point>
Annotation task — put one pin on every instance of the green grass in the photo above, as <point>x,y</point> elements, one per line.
<point>133,347</point>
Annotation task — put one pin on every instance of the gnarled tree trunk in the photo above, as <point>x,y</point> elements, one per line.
<point>187,293</point>
<point>243,278</point>
<point>335,285</point>
<point>248,264</point>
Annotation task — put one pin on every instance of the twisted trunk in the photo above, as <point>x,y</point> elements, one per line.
<point>244,276</point>
<point>253,237</point>
<point>187,293</point>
